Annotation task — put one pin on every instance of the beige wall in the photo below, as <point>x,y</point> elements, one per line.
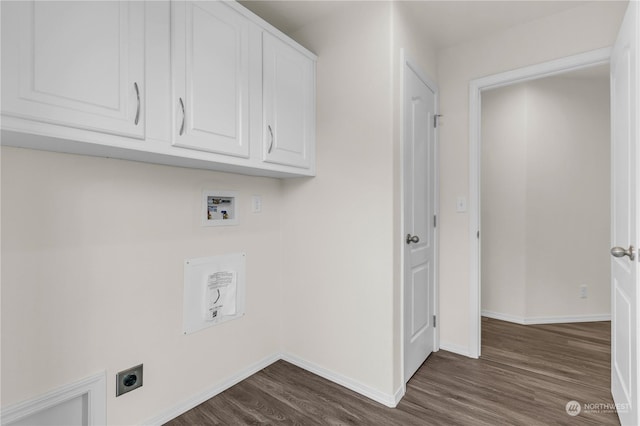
<point>338,242</point>
<point>583,28</point>
<point>504,208</point>
<point>342,272</point>
<point>92,277</point>
<point>569,117</point>
<point>545,187</point>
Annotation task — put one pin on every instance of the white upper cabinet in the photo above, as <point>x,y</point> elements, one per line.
<point>202,84</point>
<point>288,104</point>
<point>75,64</point>
<point>210,64</point>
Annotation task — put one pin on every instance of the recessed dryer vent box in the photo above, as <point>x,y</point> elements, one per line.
<point>219,208</point>
<point>214,290</point>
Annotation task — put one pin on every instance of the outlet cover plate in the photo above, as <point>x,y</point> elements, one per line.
<point>128,380</point>
<point>256,204</point>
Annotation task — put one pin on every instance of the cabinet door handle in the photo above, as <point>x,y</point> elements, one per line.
<point>270,144</point>
<point>183,117</point>
<point>135,86</point>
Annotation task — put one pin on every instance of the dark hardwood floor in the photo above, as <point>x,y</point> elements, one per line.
<point>525,376</point>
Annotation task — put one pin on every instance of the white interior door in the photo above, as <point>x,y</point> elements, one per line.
<point>419,221</point>
<point>624,229</point>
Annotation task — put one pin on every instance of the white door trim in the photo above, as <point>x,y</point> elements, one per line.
<point>408,62</point>
<point>95,387</point>
<point>476,87</point>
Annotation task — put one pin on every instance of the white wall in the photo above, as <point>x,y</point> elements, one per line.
<point>504,208</point>
<point>545,190</point>
<point>587,27</point>
<point>569,117</point>
<point>342,228</point>
<point>338,242</point>
<point>92,277</point>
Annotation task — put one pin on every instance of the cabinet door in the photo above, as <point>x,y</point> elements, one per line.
<point>210,78</point>
<point>289,104</point>
<point>77,64</point>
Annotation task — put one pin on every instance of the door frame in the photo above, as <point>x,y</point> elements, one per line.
<point>476,87</point>
<point>408,63</point>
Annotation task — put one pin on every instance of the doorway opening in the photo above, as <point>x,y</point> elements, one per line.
<point>545,199</point>
<point>545,226</point>
<point>590,60</point>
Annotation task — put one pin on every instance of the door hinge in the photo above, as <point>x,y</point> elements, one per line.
<point>478,235</point>
<point>435,120</point>
<point>434,220</point>
<point>434,321</point>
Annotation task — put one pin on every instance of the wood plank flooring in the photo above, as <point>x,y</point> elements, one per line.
<point>525,376</point>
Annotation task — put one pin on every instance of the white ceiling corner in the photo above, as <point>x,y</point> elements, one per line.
<point>445,22</point>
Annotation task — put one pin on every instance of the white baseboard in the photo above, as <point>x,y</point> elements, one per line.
<point>198,399</point>
<point>565,319</point>
<point>503,317</point>
<point>94,387</point>
<point>546,320</point>
<point>371,393</point>
<point>456,349</point>
<point>399,394</point>
<point>374,394</point>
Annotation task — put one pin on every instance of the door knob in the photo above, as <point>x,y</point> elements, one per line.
<point>620,251</point>
<point>413,239</point>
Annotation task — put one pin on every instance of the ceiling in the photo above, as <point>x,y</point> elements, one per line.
<point>290,15</point>
<point>446,23</point>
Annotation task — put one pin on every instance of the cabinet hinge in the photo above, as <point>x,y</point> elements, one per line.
<point>478,235</point>
<point>435,120</point>
<point>434,321</point>
<point>434,221</point>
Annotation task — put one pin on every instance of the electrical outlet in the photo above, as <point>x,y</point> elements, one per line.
<point>583,291</point>
<point>128,380</point>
